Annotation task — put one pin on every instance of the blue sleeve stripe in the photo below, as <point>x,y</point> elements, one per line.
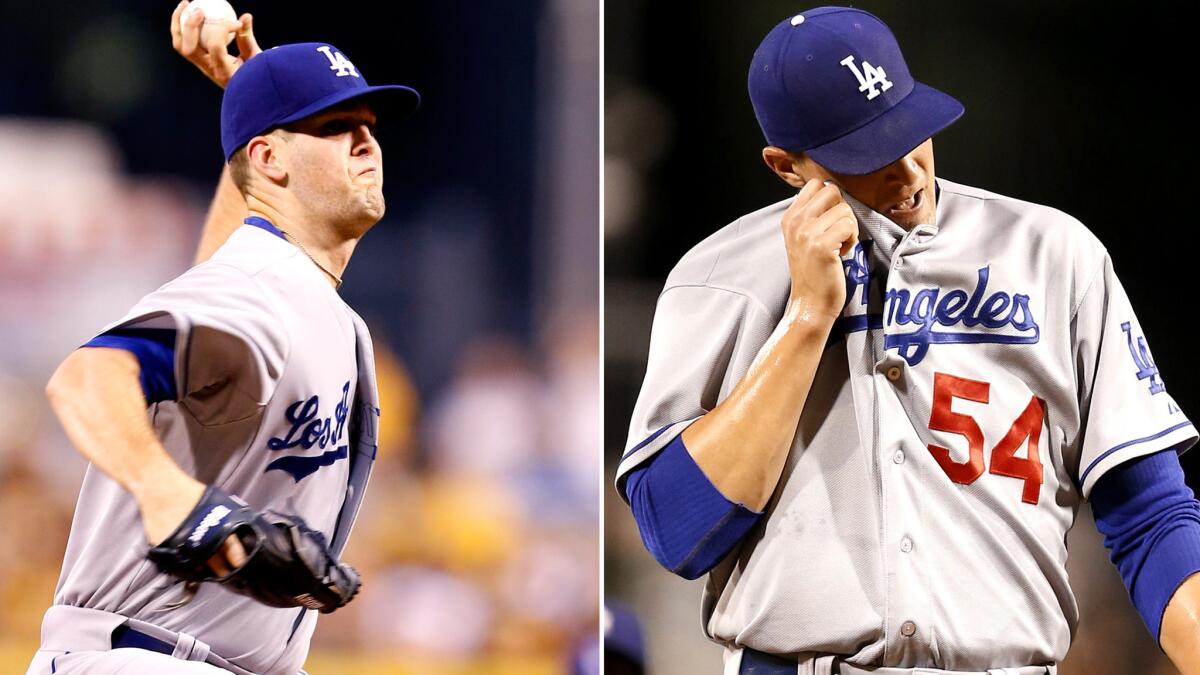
<point>648,441</point>
<point>1150,520</point>
<point>155,352</point>
<point>684,520</point>
<point>1126,444</point>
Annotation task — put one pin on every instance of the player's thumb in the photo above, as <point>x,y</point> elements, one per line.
<point>849,243</point>
<point>246,43</point>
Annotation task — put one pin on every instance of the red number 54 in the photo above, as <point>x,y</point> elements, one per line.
<point>1004,460</point>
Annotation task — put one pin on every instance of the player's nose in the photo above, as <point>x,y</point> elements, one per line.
<point>907,169</point>
<point>364,141</point>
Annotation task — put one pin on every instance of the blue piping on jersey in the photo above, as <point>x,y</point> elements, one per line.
<point>264,224</point>
<point>1126,444</point>
<point>646,442</point>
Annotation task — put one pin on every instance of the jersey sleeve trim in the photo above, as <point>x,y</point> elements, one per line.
<point>154,349</point>
<point>684,519</point>
<point>647,449</point>
<point>1180,437</point>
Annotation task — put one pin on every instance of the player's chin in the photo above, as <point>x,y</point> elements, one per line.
<point>374,206</point>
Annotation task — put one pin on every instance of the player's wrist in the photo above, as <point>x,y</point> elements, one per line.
<point>165,501</point>
<point>806,316</point>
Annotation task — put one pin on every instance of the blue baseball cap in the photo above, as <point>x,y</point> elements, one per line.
<point>831,82</point>
<point>290,82</point>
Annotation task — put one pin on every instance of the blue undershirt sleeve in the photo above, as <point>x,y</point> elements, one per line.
<point>155,352</point>
<point>1151,525</point>
<point>685,522</point>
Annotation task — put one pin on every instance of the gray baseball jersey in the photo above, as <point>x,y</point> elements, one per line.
<point>987,370</point>
<point>276,403</point>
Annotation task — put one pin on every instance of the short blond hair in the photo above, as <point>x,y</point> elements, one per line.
<point>239,162</point>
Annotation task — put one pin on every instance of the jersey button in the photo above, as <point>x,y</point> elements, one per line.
<point>898,457</point>
<point>908,629</point>
<point>905,545</point>
<point>893,373</point>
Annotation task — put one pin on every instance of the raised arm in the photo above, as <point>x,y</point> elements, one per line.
<point>212,57</point>
<point>743,443</point>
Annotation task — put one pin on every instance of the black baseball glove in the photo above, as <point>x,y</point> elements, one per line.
<point>287,564</point>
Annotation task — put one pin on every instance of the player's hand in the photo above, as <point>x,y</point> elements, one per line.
<point>212,56</point>
<point>818,228</point>
<point>167,504</point>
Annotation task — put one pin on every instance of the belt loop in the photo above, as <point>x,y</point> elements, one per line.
<point>183,646</point>
<point>823,665</point>
<point>189,648</point>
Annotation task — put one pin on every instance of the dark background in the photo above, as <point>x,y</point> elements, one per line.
<point>1076,105</point>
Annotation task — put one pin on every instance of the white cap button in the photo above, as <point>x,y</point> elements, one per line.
<point>797,20</point>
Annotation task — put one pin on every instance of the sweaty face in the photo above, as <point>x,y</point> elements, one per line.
<point>335,165</point>
<point>903,190</point>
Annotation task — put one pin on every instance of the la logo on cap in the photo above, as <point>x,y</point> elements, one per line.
<point>339,62</point>
<point>873,77</point>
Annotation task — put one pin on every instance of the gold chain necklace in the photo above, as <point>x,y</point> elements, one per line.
<point>336,279</point>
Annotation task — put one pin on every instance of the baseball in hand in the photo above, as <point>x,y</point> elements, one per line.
<point>218,16</point>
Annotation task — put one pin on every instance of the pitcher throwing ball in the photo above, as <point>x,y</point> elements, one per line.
<point>230,417</point>
<point>872,410</point>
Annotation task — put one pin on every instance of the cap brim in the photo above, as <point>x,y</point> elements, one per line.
<point>392,102</point>
<point>887,138</point>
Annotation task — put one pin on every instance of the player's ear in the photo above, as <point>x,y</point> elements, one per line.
<point>785,165</point>
<point>263,152</point>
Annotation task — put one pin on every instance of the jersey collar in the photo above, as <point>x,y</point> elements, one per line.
<point>264,224</point>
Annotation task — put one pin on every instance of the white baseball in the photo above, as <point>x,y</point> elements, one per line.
<point>218,16</point>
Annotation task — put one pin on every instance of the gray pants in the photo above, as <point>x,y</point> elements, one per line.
<point>79,640</point>
<point>116,662</point>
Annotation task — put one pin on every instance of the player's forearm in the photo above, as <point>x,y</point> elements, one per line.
<point>743,443</point>
<point>225,214</point>
<point>1180,636</point>
<point>98,399</point>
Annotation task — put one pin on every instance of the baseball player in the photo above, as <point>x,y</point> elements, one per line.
<point>871,410</point>
<point>230,416</point>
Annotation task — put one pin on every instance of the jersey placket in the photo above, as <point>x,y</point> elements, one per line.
<point>910,634</point>
<point>876,376</point>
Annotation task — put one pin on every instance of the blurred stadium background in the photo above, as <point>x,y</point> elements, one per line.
<point>1069,103</point>
<point>479,539</point>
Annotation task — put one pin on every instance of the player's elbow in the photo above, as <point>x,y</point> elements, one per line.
<point>65,383</point>
<point>82,370</point>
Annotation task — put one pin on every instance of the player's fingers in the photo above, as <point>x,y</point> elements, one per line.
<point>247,44</point>
<point>190,34</point>
<point>218,565</point>
<point>830,218</point>
<point>231,556</point>
<point>235,553</point>
<point>846,229</point>
<point>802,198</point>
<point>823,200</point>
<point>176,34</point>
